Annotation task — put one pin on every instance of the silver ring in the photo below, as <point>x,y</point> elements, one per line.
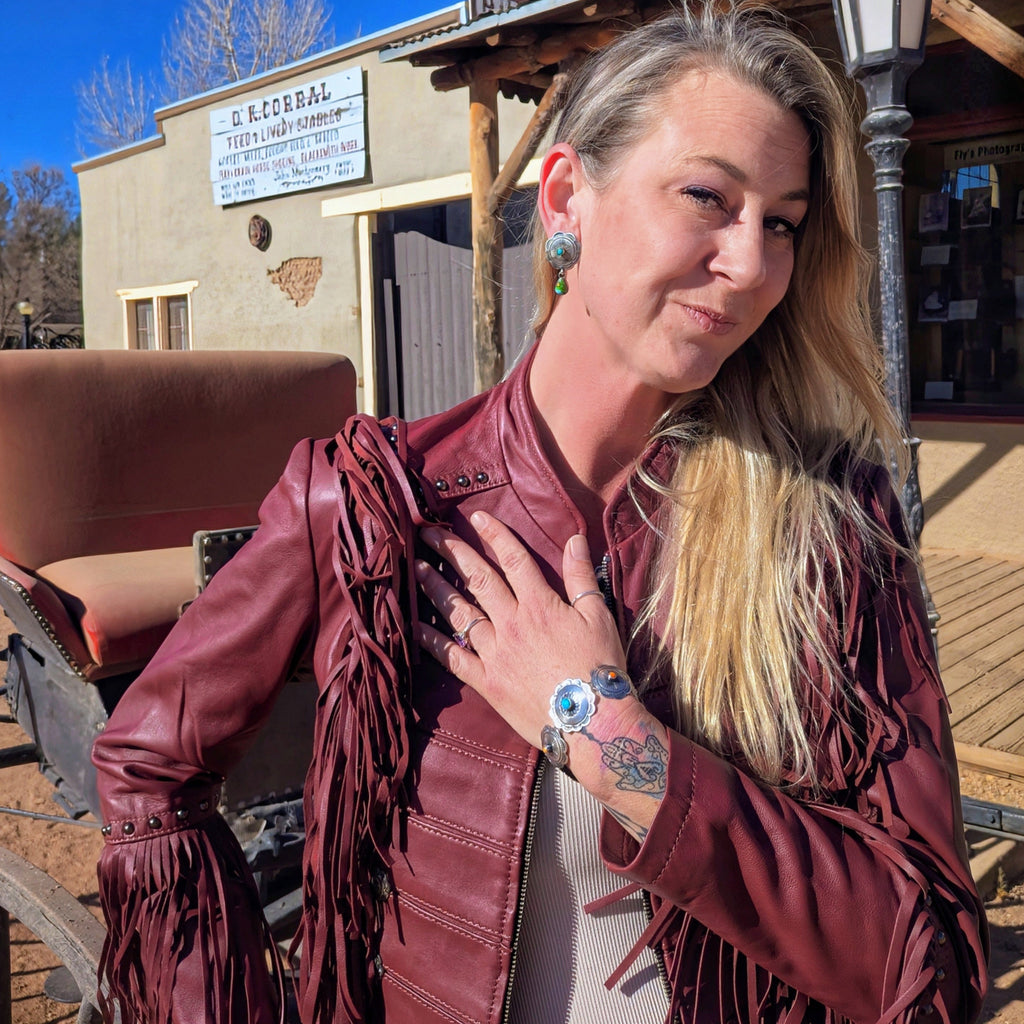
<point>462,636</point>
<point>585,593</point>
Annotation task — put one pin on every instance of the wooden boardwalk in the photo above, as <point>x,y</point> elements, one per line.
<point>980,600</point>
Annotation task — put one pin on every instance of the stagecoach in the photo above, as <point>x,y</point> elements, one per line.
<point>127,478</point>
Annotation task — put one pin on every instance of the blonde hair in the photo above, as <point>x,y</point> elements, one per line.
<point>754,533</point>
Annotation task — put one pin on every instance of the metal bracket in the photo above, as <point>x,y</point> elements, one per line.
<point>214,549</point>
<point>994,819</point>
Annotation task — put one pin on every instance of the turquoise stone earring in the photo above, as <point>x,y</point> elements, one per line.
<point>562,251</point>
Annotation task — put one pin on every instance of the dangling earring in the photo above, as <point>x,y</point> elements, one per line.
<point>562,250</point>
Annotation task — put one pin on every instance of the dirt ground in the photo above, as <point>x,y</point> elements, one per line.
<point>68,853</point>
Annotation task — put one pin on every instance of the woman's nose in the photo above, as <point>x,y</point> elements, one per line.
<point>740,255</point>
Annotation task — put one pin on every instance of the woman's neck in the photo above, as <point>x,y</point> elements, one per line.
<point>591,425</point>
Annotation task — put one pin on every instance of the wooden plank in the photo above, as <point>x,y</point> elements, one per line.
<point>954,605</point>
<point>1007,11</point>
<point>938,573</point>
<point>971,573</point>
<point>506,180</point>
<point>488,354</point>
<point>969,670</point>
<point>969,700</point>
<point>977,26</point>
<point>995,762</point>
<point>1011,737</point>
<point>952,682</point>
<point>995,716</point>
<point>939,556</point>
<point>966,579</point>
<point>985,648</point>
<point>981,651</point>
<point>934,571</point>
<point>510,61</point>
<point>1005,608</point>
<point>955,572</point>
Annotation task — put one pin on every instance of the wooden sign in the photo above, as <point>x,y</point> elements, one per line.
<point>304,137</point>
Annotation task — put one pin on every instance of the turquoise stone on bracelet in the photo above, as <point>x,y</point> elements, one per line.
<point>572,704</point>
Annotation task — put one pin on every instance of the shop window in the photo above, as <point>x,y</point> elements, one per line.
<point>964,179</point>
<point>158,318</point>
<point>965,270</point>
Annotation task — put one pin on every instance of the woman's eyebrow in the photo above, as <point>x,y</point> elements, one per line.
<point>741,177</point>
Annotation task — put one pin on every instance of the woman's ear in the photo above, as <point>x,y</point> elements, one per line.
<point>561,179</point>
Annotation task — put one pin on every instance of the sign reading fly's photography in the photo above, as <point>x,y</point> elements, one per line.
<point>304,137</point>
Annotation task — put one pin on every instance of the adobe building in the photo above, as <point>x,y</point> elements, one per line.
<point>330,205</point>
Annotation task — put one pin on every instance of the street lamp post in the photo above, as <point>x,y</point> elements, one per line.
<point>883,43</point>
<point>26,309</point>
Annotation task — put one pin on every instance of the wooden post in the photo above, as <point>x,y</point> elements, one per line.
<point>505,182</point>
<point>488,355</point>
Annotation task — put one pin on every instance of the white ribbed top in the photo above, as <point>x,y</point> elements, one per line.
<point>564,956</point>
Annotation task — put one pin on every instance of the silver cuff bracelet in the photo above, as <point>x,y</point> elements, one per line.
<point>573,705</point>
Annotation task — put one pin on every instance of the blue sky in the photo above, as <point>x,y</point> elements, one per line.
<point>50,45</point>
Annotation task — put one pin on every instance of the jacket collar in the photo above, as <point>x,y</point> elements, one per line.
<point>491,441</point>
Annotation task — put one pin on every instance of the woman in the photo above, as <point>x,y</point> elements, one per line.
<point>762,826</point>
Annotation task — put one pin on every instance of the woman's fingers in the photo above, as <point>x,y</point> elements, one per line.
<point>517,565</point>
<point>482,580</point>
<point>581,586</point>
<point>461,662</point>
<point>463,616</point>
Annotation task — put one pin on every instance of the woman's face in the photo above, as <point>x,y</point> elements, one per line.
<point>691,244</point>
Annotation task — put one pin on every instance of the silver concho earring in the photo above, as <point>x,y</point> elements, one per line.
<point>562,250</point>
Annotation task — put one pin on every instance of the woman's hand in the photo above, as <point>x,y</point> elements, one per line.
<point>521,639</point>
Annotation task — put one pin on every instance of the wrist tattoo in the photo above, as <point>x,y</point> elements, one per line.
<point>632,827</point>
<point>640,768</point>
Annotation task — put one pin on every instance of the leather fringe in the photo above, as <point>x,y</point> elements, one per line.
<point>361,745</point>
<point>188,895</point>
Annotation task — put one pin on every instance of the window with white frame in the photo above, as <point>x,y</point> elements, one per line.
<point>159,317</point>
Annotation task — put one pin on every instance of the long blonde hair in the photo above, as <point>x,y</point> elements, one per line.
<point>757,516</point>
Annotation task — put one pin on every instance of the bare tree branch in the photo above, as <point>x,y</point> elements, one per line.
<point>216,41</point>
<point>210,43</point>
<point>113,108</point>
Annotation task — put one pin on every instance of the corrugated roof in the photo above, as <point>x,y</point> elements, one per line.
<point>483,17</point>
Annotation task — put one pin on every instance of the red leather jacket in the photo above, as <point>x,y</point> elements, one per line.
<point>856,906</point>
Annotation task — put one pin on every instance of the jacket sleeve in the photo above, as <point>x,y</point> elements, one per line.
<point>186,939</point>
<point>864,903</point>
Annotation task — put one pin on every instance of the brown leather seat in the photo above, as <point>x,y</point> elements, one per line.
<point>124,603</point>
<point>111,460</point>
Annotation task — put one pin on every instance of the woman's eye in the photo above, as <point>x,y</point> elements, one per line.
<point>780,227</point>
<point>702,196</point>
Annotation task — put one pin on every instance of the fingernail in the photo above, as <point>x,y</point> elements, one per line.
<point>421,568</point>
<point>579,548</point>
<point>431,536</point>
<point>478,519</point>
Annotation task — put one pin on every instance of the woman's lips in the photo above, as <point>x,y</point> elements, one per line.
<point>709,320</point>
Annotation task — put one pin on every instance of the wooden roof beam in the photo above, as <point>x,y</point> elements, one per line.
<point>517,60</point>
<point>979,27</point>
